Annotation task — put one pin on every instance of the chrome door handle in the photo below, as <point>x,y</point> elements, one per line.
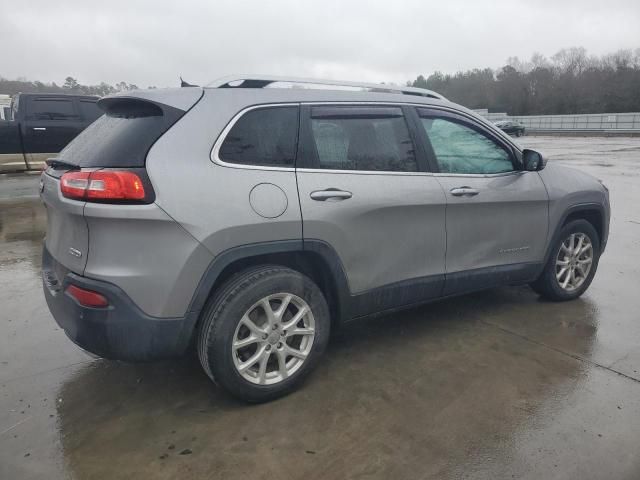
<point>330,194</point>
<point>40,129</point>
<point>464,191</point>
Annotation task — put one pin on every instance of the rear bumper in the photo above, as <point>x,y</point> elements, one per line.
<point>120,331</point>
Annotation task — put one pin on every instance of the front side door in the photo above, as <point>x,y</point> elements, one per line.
<point>363,191</point>
<point>497,214</point>
<point>50,124</point>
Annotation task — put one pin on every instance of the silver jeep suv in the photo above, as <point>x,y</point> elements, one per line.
<point>248,218</point>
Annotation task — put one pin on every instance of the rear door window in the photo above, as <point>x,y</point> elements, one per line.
<point>362,138</point>
<point>51,109</point>
<point>264,136</point>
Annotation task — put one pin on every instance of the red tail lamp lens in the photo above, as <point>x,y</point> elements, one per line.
<point>102,185</point>
<point>87,298</point>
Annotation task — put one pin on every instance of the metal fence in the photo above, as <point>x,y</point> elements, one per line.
<point>595,123</point>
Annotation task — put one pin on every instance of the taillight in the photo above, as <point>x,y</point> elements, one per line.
<point>87,298</point>
<point>118,185</point>
<point>74,184</point>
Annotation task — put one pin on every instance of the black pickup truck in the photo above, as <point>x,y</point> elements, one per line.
<point>40,125</point>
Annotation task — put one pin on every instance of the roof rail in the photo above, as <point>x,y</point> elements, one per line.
<point>268,81</point>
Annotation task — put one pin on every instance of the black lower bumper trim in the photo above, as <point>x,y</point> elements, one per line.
<point>120,331</point>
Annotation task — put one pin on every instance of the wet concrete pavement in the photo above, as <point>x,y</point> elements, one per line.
<point>497,384</point>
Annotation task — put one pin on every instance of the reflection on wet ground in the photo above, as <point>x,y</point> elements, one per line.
<point>497,384</point>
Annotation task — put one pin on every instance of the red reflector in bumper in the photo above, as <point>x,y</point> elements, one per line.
<point>87,298</point>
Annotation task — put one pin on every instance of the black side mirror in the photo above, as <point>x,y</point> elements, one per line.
<point>532,160</point>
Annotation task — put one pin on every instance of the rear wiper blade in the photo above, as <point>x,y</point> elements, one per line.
<point>56,163</point>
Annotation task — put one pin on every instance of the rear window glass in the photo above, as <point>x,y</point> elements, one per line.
<point>90,110</point>
<point>122,137</point>
<point>51,109</point>
<point>266,136</point>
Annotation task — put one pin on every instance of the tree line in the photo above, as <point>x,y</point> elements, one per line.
<point>70,85</point>
<point>569,82</point>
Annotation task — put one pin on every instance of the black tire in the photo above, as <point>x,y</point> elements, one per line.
<point>224,312</point>
<point>547,285</point>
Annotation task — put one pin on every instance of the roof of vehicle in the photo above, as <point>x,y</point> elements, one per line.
<point>294,83</point>
<point>250,92</point>
<point>242,91</point>
<point>256,96</point>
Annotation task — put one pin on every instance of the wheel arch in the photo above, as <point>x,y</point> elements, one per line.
<point>316,259</point>
<point>593,213</point>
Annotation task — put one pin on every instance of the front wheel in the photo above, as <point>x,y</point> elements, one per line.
<point>264,332</point>
<point>572,263</point>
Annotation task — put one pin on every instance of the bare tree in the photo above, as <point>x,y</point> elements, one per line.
<point>571,82</point>
<point>571,60</point>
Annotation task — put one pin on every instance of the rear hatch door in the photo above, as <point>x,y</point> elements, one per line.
<point>118,140</point>
<point>67,237</point>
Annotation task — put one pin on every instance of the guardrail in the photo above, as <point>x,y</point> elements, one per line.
<point>612,123</point>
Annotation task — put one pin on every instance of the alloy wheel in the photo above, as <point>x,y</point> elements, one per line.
<point>574,261</point>
<point>273,339</point>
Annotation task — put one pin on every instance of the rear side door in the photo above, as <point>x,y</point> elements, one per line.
<point>497,214</point>
<point>50,123</point>
<point>364,192</point>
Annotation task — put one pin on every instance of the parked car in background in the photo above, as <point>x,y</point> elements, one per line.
<point>511,127</point>
<point>41,125</point>
<point>246,221</point>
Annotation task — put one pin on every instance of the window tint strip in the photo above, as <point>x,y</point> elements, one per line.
<point>356,112</point>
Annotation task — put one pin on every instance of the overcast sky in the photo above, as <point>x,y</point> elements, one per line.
<point>152,42</point>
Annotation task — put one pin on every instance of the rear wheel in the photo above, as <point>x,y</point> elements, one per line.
<point>572,263</point>
<point>264,332</point>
